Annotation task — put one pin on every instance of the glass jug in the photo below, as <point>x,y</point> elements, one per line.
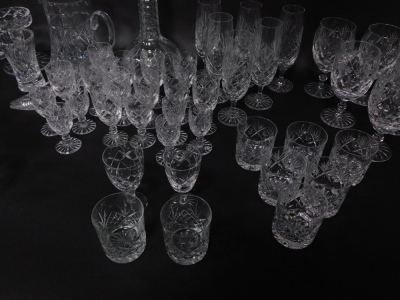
<point>72,27</point>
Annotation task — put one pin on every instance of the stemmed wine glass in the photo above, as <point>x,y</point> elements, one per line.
<point>235,75</point>
<point>124,165</point>
<point>292,17</point>
<point>200,118</point>
<point>264,56</point>
<point>219,27</point>
<point>354,69</point>
<point>80,102</point>
<point>59,117</point>
<point>384,111</point>
<point>167,133</point>
<point>328,38</point>
<point>42,97</point>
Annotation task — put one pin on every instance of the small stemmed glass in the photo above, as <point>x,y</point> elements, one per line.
<point>292,17</point>
<point>41,98</point>
<point>167,133</point>
<point>235,75</point>
<point>328,38</point>
<point>124,165</point>
<point>174,110</point>
<point>200,118</point>
<point>264,56</point>
<point>80,105</point>
<point>59,117</point>
<point>354,70</point>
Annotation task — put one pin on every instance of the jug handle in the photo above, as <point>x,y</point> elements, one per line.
<point>94,24</point>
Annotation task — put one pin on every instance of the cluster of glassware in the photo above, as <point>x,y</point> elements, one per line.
<point>124,88</point>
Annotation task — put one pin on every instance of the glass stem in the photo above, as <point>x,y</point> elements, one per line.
<point>113,129</point>
<point>142,132</point>
<point>341,107</point>
<point>183,199</point>
<point>282,71</point>
<point>322,78</point>
<point>379,137</point>
<point>233,108</point>
<point>81,119</point>
<point>260,89</point>
<point>66,137</point>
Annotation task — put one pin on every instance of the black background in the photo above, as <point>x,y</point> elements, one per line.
<point>49,249</point>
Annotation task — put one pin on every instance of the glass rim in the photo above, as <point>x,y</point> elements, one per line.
<point>123,168</point>
<point>301,9</point>
<point>278,22</point>
<point>229,17</point>
<point>383,24</point>
<point>258,5</point>
<point>187,194</point>
<point>358,131</point>
<point>27,33</point>
<point>112,195</point>
<point>175,146</point>
<point>354,26</point>
<point>239,128</point>
<point>214,2</point>
<point>26,10</point>
<point>325,139</point>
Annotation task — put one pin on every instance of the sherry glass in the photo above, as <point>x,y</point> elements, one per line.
<point>204,9</point>
<point>354,70</point>
<point>219,29</point>
<point>186,228</point>
<point>167,133</point>
<point>119,223</point>
<point>264,56</point>
<point>101,56</point>
<point>328,38</point>
<point>200,118</point>
<point>174,109</point>
<point>235,75</point>
<point>384,111</point>
<point>90,78</point>
<point>292,17</point>
<point>62,77</point>
<point>124,165</point>
<point>59,117</point>
<point>42,97</point>
<point>79,102</point>
<point>182,166</point>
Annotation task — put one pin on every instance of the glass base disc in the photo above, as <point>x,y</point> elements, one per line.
<point>284,87</point>
<point>182,138</point>
<point>222,98</point>
<point>331,117</point>
<point>384,153</point>
<point>43,60</point>
<point>160,157</point>
<point>47,131</point>
<point>258,101</point>
<point>84,127</point>
<point>115,139</point>
<point>68,147</point>
<point>204,147</point>
<point>143,142</point>
<point>319,90</point>
<point>230,116</point>
<point>22,103</point>
<point>93,112</point>
<point>213,129</point>
<point>362,101</point>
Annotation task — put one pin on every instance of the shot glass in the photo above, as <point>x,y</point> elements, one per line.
<point>186,227</point>
<point>299,213</point>
<point>255,139</point>
<point>281,169</point>
<point>119,223</point>
<point>19,48</point>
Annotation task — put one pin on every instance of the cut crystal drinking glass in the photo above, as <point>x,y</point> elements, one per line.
<point>167,133</point>
<point>200,118</point>
<point>328,38</point>
<point>79,102</point>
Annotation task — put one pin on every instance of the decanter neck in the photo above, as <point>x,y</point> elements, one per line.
<point>148,15</point>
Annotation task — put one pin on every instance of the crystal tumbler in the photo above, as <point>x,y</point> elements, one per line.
<point>186,227</point>
<point>255,139</point>
<point>119,223</point>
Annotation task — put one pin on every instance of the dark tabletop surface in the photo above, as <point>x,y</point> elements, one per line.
<point>49,248</point>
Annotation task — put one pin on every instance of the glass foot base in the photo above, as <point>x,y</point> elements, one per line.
<point>68,147</point>
<point>204,146</point>
<point>47,131</point>
<point>22,103</point>
<point>182,138</point>
<point>84,127</point>
<point>123,122</point>
<point>231,116</point>
<point>43,60</point>
<point>282,86</point>
<point>258,101</point>
<point>143,142</point>
<point>93,112</point>
<point>115,139</point>
<point>213,129</point>
<point>142,198</point>
<point>362,101</point>
<point>333,118</point>
<point>160,157</point>
<point>384,153</point>
<point>319,90</point>
<point>222,98</point>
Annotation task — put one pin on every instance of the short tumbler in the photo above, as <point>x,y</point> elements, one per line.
<point>255,139</point>
<point>119,223</point>
<point>186,226</point>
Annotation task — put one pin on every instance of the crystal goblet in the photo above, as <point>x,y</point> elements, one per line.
<point>200,118</point>
<point>167,133</point>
